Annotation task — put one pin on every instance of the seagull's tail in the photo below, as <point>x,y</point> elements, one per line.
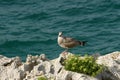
<point>82,43</point>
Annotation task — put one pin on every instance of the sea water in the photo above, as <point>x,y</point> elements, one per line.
<point>32,26</point>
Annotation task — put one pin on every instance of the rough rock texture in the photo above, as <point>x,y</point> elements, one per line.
<point>36,66</point>
<point>112,62</point>
<point>68,75</point>
<point>9,69</point>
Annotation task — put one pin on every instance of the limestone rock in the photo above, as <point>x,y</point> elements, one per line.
<point>40,69</point>
<point>9,69</point>
<point>44,66</point>
<point>4,60</point>
<point>35,66</point>
<point>111,61</point>
<point>43,57</point>
<point>68,75</point>
<point>56,65</point>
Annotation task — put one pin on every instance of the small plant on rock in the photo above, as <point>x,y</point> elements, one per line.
<point>86,65</point>
<point>42,78</point>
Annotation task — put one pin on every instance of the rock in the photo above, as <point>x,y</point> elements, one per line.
<point>50,76</point>
<point>43,57</point>
<point>4,61</point>
<point>36,59</point>
<point>41,69</point>
<point>56,65</point>
<point>45,67</point>
<point>26,67</point>
<point>36,66</point>
<point>68,75</point>
<point>111,61</point>
<point>9,69</point>
<point>16,62</point>
<point>32,61</point>
<point>58,62</point>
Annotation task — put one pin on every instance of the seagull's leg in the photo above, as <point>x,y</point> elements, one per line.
<point>65,52</point>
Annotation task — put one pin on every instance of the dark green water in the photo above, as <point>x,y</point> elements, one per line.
<point>32,26</point>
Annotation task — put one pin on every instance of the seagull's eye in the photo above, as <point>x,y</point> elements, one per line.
<point>60,35</point>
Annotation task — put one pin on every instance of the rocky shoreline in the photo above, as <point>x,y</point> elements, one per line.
<point>37,66</point>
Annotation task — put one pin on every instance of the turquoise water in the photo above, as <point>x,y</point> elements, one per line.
<point>32,26</point>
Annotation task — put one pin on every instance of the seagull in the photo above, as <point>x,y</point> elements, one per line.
<point>67,42</point>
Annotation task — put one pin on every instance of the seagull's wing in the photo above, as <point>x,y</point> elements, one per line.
<point>68,40</point>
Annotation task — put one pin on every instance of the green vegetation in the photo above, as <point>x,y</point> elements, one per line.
<point>42,78</point>
<point>86,65</point>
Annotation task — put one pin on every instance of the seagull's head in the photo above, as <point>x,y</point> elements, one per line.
<point>60,34</point>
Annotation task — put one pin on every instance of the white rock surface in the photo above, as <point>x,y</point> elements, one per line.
<point>9,69</point>
<point>112,62</point>
<point>36,66</point>
<point>68,75</point>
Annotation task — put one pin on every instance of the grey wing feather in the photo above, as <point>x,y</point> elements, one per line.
<point>68,40</point>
